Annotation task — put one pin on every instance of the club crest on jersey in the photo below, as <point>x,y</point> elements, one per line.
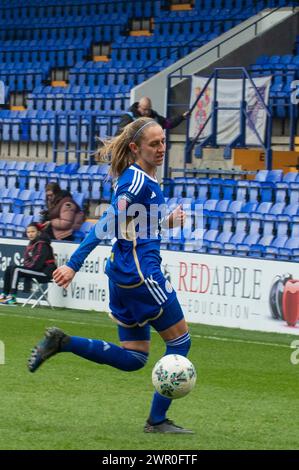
<point>123,203</point>
<point>168,287</point>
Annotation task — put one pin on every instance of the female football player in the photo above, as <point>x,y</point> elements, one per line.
<point>140,296</point>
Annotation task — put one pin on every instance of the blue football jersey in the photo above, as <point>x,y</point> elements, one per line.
<point>133,222</point>
<point>139,207</point>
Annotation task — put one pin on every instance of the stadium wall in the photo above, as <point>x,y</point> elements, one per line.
<point>213,290</point>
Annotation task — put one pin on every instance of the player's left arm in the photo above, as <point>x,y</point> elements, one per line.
<point>176,218</point>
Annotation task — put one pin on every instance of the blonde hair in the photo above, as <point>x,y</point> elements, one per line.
<point>117,150</point>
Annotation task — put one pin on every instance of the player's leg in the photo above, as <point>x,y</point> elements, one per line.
<point>132,355</point>
<point>173,329</point>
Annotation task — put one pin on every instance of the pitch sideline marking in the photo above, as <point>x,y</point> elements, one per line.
<point>214,338</point>
<point>234,340</point>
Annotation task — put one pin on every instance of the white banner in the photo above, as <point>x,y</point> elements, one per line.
<point>235,292</point>
<point>245,293</point>
<point>89,290</point>
<point>229,94</point>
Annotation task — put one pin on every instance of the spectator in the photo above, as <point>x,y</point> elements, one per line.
<point>143,108</point>
<point>39,262</point>
<point>62,215</point>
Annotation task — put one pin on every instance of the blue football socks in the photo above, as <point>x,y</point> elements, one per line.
<point>103,352</point>
<point>161,404</point>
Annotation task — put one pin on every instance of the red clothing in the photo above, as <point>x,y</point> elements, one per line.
<point>39,256</point>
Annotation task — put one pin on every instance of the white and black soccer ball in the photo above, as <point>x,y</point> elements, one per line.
<point>174,376</point>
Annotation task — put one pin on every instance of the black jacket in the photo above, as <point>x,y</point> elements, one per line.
<point>133,114</point>
<point>39,255</point>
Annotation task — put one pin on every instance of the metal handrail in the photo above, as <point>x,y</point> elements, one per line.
<point>217,46</point>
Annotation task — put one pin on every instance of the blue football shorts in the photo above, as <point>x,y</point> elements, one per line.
<point>137,306</point>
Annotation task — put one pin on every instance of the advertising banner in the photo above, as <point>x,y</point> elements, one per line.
<point>245,293</point>
<point>89,289</point>
<point>11,252</point>
<point>229,95</point>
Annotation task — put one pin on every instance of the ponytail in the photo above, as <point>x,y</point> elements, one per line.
<point>117,150</point>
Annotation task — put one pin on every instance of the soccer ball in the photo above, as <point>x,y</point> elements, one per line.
<point>174,376</point>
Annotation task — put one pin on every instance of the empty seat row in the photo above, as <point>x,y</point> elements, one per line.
<point>69,129</point>
<point>105,33</point>
<point>79,89</point>
<point>261,189</point>
<point>29,180</point>
<point>119,77</point>
<point>84,102</point>
<point>14,225</point>
<point>175,50</point>
<point>27,201</point>
<point>137,8</point>
<point>220,234</point>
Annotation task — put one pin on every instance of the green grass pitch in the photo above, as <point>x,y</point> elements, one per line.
<point>246,397</point>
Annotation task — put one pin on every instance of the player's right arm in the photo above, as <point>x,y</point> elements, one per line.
<point>128,193</point>
<point>63,276</point>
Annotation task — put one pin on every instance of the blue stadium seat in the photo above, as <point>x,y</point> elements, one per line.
<point>290,177</point>
<point>227,229</point>
<point>249,207</point>
<point>261,175</point>
<point>241,228</point>
<point>291,209</point>
<point>277,208</point>
<point>292,243</point>
<point>275,176</point>
<point>222,205</point>
<point>254,190</point>
<point>191,187</point>
<point>264,207</point>
<point>210,204</point>
<point>293,193</point>
<point>228,189</point>
<point>215,188</point>
<point>215,248</point>
<point>266,191</point>
<point>6,218</point>
<point>242,249</point>
<point>228,249</point>
<point>202,187</point>
<point>254,229</point>
<point>235,206</point>
<point>281,192</point>
<point>256,251</point>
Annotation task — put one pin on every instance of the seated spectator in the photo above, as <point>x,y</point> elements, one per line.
<point>39,262</point>
<point>62,215</point>
<point>143,108</point>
